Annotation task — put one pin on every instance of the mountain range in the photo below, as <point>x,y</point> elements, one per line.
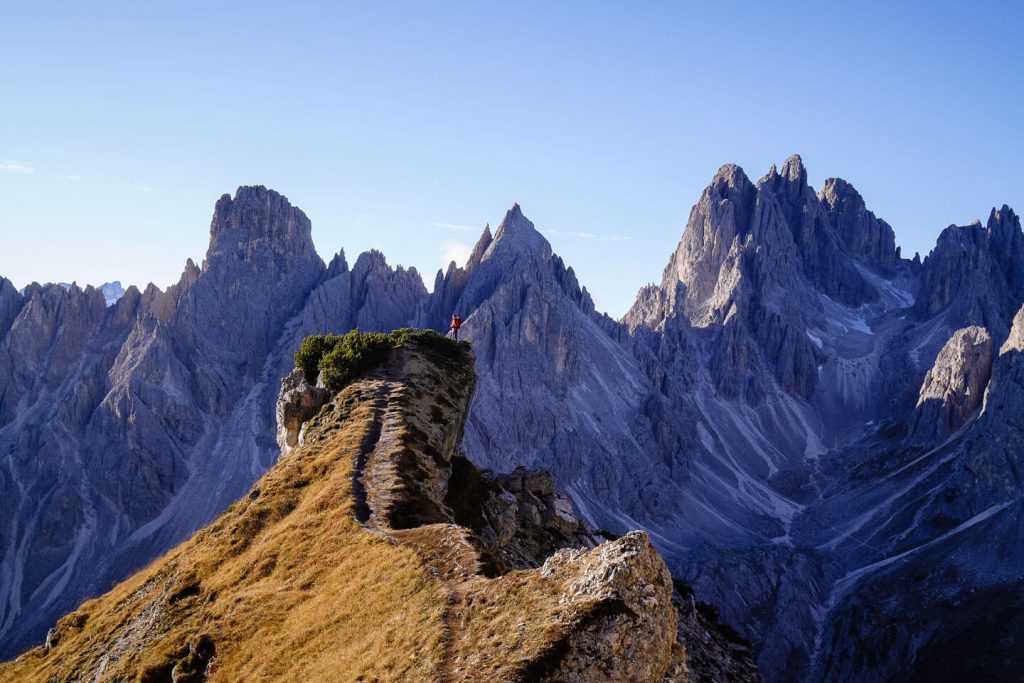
<point>821,436</point>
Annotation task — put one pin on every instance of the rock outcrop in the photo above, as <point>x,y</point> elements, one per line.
<point>864,235</point>
<point>627,630</point>
<point>975,274</point>
<point>954,388</point>
<point>297,403</point>
<point>715,653</point>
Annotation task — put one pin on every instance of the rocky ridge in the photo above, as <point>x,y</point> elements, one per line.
<point>607,610</point>
<point>431,496</point>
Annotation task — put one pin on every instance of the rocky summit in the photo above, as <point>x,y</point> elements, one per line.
<point>820,436</point>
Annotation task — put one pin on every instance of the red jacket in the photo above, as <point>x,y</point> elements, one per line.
<point>456,322</point>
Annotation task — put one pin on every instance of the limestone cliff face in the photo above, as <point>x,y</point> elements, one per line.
<point>364,504</point>
<point>296,404</point>
<point>955,386</point>
<point>259,267</point>
<point>976,273</point>
<point>10,304</point>
<point>862,233</point>
<point>796,339</point>
<point>825,260</point>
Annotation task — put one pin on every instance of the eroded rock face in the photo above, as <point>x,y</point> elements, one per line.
<point>298,402</point>
<point>976,273</point>
<point>955,386</point>
<point>861,232</point>
<point>10,304</point>
<point>627,631</point>
<point>826,263</point>
<point>520,518</point>
<point>714,653</point>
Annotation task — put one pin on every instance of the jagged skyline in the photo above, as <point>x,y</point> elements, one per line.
<point>408,131</point>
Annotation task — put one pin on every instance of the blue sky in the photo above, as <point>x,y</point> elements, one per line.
<point>407,126</point>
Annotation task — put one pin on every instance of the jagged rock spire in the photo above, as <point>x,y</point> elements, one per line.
<point>861,232</point>
<point>256,223</point>
<point>976,273</point>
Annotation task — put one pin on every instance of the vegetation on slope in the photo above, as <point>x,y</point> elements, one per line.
<point>341,358</point>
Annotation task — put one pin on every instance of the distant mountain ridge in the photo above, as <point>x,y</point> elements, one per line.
<point>769,412</point>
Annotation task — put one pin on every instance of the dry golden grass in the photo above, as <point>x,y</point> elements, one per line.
<point>502,626</point>
<point>286,583</point>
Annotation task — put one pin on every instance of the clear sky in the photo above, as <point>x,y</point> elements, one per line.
<point>407,126</point>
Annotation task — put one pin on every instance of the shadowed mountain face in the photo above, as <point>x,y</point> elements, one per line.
<point>820,436</point>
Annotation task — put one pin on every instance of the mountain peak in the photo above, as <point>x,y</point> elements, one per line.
<point>729,176</point>
<point>515,216</point>
<point>1003,220</point>
<point>841,187</point>
<point>372,260</point>
<point>256,211</point>
<point>793,169</point>
<point>257,224</point>
<point>480,248</point>
<point>338,265</point>
<point>791,179</point>
<point>519,231</point>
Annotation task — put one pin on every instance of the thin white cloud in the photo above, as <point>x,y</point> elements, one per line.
<point>456,226</point>
<point>145,188</point>
<point>68,176</point>
<point>455,251</point>
<point>599,238</point>
<point>17,167</point>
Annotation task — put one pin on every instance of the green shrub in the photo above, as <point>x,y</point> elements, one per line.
<point>312,349</point>
<point>353,354</point>
<point>343,357</point>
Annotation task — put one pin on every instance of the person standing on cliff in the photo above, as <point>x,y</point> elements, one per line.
<point>456,324</point>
